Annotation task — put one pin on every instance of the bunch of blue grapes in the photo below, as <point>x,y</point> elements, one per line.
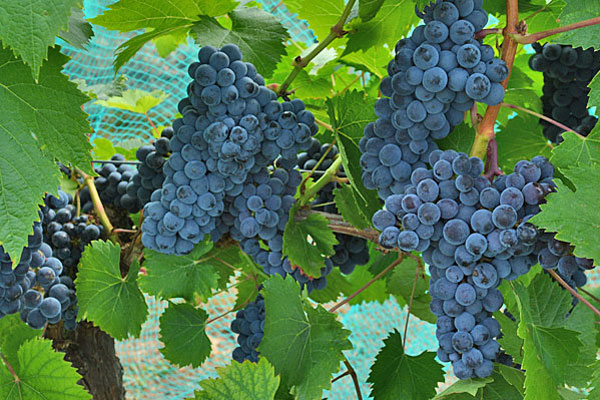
<point>472,234</point>
<point>350,250</point>
<point>436,76</point>
<point>51,297</point>
<point>65,232</point>
<point>249,325</point>
<point>150,175</point>
<point>567,74</point>
<point>232,128</point>
<point>14,281</point>
<point>112,186</point>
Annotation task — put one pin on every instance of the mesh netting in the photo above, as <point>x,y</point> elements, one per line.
<point>148,375</point>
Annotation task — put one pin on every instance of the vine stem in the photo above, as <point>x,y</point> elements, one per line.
<point>491,161</point>
<point>545,118</point>
<point>98,206</point>
<point>301,62</point>
<point>329,176</point>
<point>10,368</point>
<point>534,37</point>
<point>324,124</point>
<point>590,295</point>
<point>485,32</point>
<point>485,130</point>
<point>352,373</point>
<point>366,285</point>
<point>156,133</point>
<point>410,301</point>
<point>573,291</point>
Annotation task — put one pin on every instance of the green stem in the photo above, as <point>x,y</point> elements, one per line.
<point>327,177</point>
<point>534,37</point>
<point>301,62</point>
<point>98,206</point>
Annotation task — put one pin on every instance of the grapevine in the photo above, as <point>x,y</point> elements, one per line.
<point>280,178</point>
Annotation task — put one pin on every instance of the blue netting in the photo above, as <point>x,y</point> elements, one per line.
<point>147,374</point>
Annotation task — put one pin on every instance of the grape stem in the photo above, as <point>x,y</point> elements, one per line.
<point>485,130</point>
<point>116,162</point>
<point>573,291</point>
<point>156,133</point>
<point>366,285</point>
<point>412,295</point>
<point>597,300</point>
<point>98,206</point>
<point>541,116</point>
<point>329,176</point>
<point>485,32</point>
<point>10,368</point>
<point>491,161</point>
<point>354,378</point>
<point>324,125</point>
<point>300,63</point>
<point>534,37</point>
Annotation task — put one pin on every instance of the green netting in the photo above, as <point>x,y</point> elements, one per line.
<point>147,374</point>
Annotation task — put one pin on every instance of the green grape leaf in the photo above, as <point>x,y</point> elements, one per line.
<point>127,50</point>
<point>396,375</point>
<point>167,44</point>
<point>103,149</point>
<point>170,276</point>
<point>376,292</point>
<point>368,9</point>
<point>321,15</point>
<point>258,34</point>
<point>521,139</point>
<point>336,284</point>
<point>60,129</point>
<point>510,341</point>
<point>183,332</point>
<point>594,393</point>
<point>135,100</point>
<point>226,259</point>
<point>594,95</point>
<point>241,382</point>
<point>400,283</point>
<point>349,113</point>
<point>30,28</point>
<point>575,11</point>
<point>304,344</point>
<point>373,60</point>
<point>466,386</point>
<point>499,389</point>
<point>548,347</point>
<point>104,295</point>
<point>513,376</point>
<point>26,172</point>
<point>79,31</point>
<point>247,289</point>
<point>307,242</point>
<point>582,320</point>
<point>41,374</point>
<point>103,91</point>
<point>13,333</point>
<point>351,206</point>
<point>165,18</point>
<point>460,139</point>
<point>391,23</point>
<point>129,15</point>
<point>574,215</point>
<point>575,149</point>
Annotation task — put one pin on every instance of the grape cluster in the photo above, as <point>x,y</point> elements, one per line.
<point>18,280</point>
<point>435,77</point>
<point>249,324</point>
<point>112,186</point>
<point>232,129</point>
<point>472,234</point>
<point>350,250</point>
<point>150,175</point>
<point>567,74</point>
<point>51,297</point>
<point>66,233</point>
